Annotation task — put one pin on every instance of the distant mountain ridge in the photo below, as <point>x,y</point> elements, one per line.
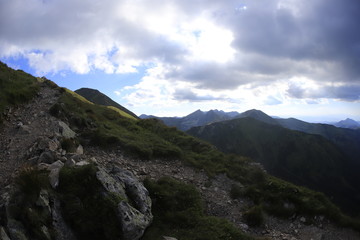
<point>197,118</point>
<point>348,140</point>
<point>98,97</point>
<point>302,158</point>
<point>348,123</point>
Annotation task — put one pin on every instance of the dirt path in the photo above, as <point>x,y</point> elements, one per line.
<point>218,202</point>
<point>23,127</point>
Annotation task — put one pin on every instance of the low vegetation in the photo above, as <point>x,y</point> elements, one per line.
<point>150,138</point>
<point>178,212</point>
<point>90,213</point>
<point>23,207</point>
<point>16,87</point>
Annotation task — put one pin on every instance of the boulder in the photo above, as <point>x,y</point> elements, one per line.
<point>168,238</point>
<point>16,230</point>
<point>24,129</point>
<point>136,217</point>
<point>3,235</point>
<point>65,130</point>
<point>46,157</point>
<point>53,145</point>
<point>54,173</point>
<point>79,150</point>
<point>43,201</point>
<point>134,189</point>
<point>70,162</point>
<point>82,163</point>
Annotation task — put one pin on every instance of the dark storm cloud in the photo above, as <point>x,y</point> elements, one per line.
<point>320,31</point>
<point>189,95</point>
<point>348,93</point>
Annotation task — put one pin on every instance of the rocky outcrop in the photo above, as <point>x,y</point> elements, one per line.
<point>134,209</point>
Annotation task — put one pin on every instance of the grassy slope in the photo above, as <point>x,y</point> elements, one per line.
<point>150,138</point>
<point>302,158</point>
<point>97,97</point>
<point>16,87</point>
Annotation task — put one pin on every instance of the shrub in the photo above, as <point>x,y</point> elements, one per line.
<point>236,191</point>
<point>90,212</point>
<point>23,207</point>
<point>178,212</point>
<point>254,216</point>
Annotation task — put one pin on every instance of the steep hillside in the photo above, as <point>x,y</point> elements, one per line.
<point>301,158</point>
<point>71,169</point>
<point>97,97</point>
<point>16,87</point>
<point>348,140</point>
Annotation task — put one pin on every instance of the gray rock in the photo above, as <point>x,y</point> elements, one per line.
<point>134,189</point>
<point>62,230</point>
<point>46,157</point>
<point>54,145</point>
<point>110,184</point>
<point>16,230</point>
<point>3,235</point>
<point>82,163</point>
<point>54,178</point>
<point>79,150</point>
<point>65,130</point>
<point>70,162</point>
<point>43,166</point>
<point>303,219</point>
<point>24,129</point>
<point>56,165</point>
<point>54,173</point>
<point>134,218</point>
<point>133,222</point>
<point>43,201</point>
<point>45,232</point>
<point>168,238</point>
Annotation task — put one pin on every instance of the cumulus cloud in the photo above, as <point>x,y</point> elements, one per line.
<point>188,95</point>
<point>342,92</point>
<point>211,45</point>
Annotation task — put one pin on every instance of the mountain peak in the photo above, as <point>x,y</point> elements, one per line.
<point>348,123</point>
<point>97,97</point>
<point>258,115</point>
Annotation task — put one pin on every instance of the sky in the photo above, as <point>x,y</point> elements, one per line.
<point>288,58</point>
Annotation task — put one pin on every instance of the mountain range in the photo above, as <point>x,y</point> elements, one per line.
<point>200,118</point>
<point>311,154</point>
<point>74,169</point>
<point>304,159</point>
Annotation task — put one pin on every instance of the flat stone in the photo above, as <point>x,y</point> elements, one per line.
<point>66,131</point>
<point>168,238</point>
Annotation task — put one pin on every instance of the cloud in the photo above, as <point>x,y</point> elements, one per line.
<point>272,101</point>
<point>217,46</point>
<point>189,95</point>
<point>349,93</point>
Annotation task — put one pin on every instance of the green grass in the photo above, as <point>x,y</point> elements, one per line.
<point>103,126</point>
<point>23,207</point>
<point>178,212</point>
<point>16,87</point>
<point>86,207</point>
<point>149,138</point>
